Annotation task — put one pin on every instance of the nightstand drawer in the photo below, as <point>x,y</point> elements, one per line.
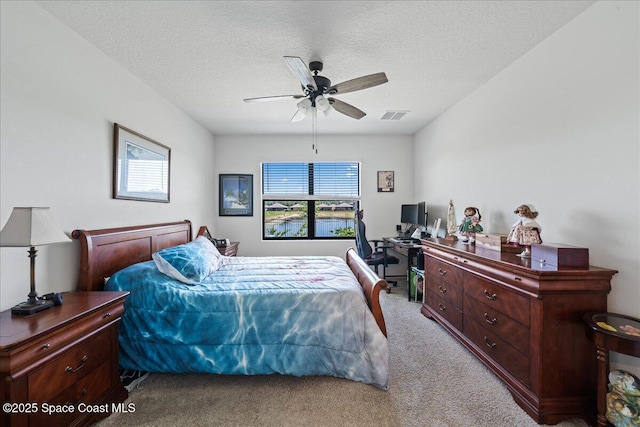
<point>67,369</point>
<point>45,348</point>
<point>61,418</point>
<point>91,387</point>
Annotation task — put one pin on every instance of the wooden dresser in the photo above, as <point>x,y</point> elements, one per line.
<point>63,360</point>
<point>523,320</point>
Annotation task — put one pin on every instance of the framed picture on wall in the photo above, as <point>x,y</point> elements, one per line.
<point>141,167</point>
<point>385,182</point>
<point>236,195</point>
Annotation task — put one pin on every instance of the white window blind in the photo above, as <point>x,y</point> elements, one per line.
<point>317,181</point>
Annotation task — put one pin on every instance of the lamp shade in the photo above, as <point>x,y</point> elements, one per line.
<point>31,227</point>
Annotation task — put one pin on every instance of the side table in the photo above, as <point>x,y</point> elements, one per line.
<point>607,340</point>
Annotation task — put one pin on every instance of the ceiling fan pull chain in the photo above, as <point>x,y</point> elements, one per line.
<point>315,129</point>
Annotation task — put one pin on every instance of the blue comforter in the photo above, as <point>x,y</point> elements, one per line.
<point>254,315</point>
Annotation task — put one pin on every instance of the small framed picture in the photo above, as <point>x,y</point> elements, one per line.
<point>385,182</point>
<point>236,195</point>
<point>141,167</point>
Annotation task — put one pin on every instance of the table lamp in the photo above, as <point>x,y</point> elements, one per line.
<point>30,227</point>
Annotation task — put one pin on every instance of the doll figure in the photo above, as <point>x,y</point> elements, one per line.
<point>526,230</point>
<point>470,224</point>
<point>452,224</point>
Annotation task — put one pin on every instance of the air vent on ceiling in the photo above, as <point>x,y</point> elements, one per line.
<point>394,115</point>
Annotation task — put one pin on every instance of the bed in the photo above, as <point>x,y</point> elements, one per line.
<point>297,315</point>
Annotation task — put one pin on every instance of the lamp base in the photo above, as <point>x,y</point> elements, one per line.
<point>28,307</point>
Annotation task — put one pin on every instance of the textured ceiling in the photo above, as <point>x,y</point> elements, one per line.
<point>207,56</point>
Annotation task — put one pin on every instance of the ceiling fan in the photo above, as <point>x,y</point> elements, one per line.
<point>315,87</point>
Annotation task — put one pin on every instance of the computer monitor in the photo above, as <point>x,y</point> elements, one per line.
<point>409,214</point>
<point>423,216</point>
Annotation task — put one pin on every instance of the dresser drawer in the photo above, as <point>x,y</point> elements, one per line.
<point>498,323</point>
<point>499,350</point>
<point>449,291</point>
<point>66,370</point>
<point>447,272</point>
<point>445,309</point>
<point>498,298</point>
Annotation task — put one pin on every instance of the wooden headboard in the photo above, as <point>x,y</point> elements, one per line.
<point>104,252</point>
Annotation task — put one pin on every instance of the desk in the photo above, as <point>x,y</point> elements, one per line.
<point>605,341</point>
<point>406,250</point>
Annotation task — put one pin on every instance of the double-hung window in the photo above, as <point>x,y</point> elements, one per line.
<point>309,200</point>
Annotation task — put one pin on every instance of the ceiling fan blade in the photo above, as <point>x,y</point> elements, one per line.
<point>359,83</point>
<point>346,109</point>
<point>272,98</point>
<point>301,71</point>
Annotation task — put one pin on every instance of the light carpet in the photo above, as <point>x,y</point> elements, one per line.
<point>434,382</point>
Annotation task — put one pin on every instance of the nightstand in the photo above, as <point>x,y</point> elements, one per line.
<point>66,356</point>
<point>231,249</point>
<point>606,330</point>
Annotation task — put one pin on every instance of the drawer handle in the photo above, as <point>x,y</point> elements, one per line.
<point>442,308</point>
<point>72,371</point>
<point>46,346</point>
<point>442,272</point>
<point>491,297</point>
<point>443,290</point>
<point>84,394</point>
<point>491,321</point>
<point>490,345</point>
<point>518,279</point>
<point>106,315</point>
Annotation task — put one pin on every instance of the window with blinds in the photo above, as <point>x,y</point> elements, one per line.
<point>310,200</point>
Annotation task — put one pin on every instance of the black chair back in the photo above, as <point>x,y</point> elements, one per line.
<point>362,244</point>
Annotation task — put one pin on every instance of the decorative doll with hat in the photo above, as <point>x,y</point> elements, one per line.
<point>470,224</point>
<point>526,230</point>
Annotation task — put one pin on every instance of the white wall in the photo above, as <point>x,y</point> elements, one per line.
<point>559,128</point>
<point>243,154</point>
<point>59,99</point>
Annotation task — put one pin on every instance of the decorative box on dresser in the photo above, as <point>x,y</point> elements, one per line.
<point>523,320</point>
<point>63,360</point>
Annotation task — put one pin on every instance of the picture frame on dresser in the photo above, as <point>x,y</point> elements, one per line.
<point>141,167</point>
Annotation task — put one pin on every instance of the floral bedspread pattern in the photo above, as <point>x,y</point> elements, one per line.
<point>254,315</point>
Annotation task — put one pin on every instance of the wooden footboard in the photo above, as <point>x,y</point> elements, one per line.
<point>371,285</point>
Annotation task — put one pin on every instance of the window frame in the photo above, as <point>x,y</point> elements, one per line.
<point>311,200</point>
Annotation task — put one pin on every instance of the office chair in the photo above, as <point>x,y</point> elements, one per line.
<point>375,256</point>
